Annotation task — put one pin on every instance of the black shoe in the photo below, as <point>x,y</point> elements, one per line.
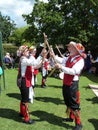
<point>67,119</point>
<point>78,127</point>
<point>20,115</point>
<point>29,122</point>
<point>43,86</point>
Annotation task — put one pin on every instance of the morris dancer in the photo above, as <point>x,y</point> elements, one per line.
<point>45,66</point>
<point>32,51</point>
<point>74,64</point>
<point>25,71</point>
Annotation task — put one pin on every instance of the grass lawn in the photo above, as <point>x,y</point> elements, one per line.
<point>48,108</point>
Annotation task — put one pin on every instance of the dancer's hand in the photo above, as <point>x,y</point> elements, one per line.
<point>58,66</point>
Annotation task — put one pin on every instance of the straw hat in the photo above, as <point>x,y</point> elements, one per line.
<point>21,49</point>
<point>78,46</point>
<point>32,48</point>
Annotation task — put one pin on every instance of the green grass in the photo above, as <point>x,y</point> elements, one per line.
<point>48,108</point>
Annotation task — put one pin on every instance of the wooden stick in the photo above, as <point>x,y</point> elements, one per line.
<point>59,51</point>
<point>46,41</point>
<point>52,72</point>
<point>50,49</point>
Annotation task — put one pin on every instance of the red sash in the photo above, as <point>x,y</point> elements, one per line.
<point>28,76</point>
<point>36,71</point>
<point>46,65</point>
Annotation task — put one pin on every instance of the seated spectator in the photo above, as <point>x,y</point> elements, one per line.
<point>7,60</point>
<point>88,63</point>
<point>95,65</point>
<point>12,56</point>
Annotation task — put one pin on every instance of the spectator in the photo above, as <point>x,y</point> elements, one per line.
<point>7,60</point>
<point>95,65</point>
<point>12,60</point>
<point>88,63</point>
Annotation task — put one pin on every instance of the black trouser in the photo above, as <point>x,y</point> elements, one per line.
<point>70,95</point>
<point>24,91</point>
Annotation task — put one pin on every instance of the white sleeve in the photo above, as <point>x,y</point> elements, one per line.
<point>76,69</point>
<point>31,61</point>
<point>64,61</point>
<point>61,60</point>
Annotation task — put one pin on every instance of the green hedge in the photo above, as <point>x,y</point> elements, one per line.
<point>9,48</point>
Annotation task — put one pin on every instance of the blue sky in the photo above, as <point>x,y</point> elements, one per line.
<point>15,9</point>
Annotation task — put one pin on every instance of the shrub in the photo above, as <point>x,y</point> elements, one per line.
<point>9,48</point>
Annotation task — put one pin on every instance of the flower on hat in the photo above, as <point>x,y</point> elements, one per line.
<point>81,50</point>
<point>80,47</point>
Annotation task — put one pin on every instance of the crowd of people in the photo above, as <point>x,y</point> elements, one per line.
<point>71,65</point>
<point>9,60</point>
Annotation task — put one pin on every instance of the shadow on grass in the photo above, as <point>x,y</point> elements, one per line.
<point>54,86</point>
<point>94,122</point>
<point>91,77</point>
<point>56,101</point>
<point>37,86</point>
<point>93,100</point>
<point>10,114</point>
<point>50,118</point>
<point>86,87</point>
<point>14,95</point>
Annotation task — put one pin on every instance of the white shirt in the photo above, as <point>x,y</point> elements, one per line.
<point>29,62</point>
<point>75,70</point>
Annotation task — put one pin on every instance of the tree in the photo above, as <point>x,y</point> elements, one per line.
<point>6,27</point>
<point>65,20</point>
<point>30,34</point>
<point>17,36</point>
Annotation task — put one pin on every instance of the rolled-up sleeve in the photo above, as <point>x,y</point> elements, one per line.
<point>61,60</point>
<point>32,61</point>
<point>76,69</point>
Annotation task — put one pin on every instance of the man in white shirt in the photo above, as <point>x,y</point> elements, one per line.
<point>72,67</point>
<point>25,73</point>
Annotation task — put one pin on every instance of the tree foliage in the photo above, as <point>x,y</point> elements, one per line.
<point>30,33</point>
<point>18,36</point>
<point>6,27</point>
<point>65,20</point>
